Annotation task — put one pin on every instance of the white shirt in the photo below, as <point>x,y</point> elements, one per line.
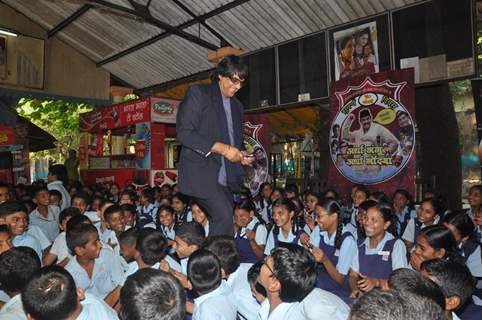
<point>264,211</point>
<point>94,218</point>
<point>321,304</point>
<point>4,297</point>
<point>399,253</point>
<point>409,233</point>
<point>284,311</point>
<point>58,185</point>
<point>474,263</point>
<point>27,240</point>
<point>106,276</point>
<point>95,308</point>
<point>261,232</point>
<point>238,282</point>
<point>59,248</point>
<point>218,304</point>
<point>184,262</point>
<point>38,234</point>
<point>49,225</point>
<point>13,309</point>
<point>270,244</point>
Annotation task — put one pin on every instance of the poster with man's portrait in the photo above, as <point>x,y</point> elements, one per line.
<point>3,57</point>
<point>356,51</point>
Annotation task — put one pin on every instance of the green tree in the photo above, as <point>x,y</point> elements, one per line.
<point>58,118</point>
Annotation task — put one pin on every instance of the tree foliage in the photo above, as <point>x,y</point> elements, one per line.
<point>58,118</point>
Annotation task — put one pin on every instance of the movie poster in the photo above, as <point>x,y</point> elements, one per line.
<point>356,51</point>
<point>256,142</point>
<point>372,136</point>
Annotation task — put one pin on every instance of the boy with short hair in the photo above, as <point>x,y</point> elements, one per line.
<point>93,272</point>
<point>189,238</point>
<point>127,244</point>
<point>288,276</point>
<point>81,201</point>
<point>51,294</point>
<point>115,226</point>
<point>45,216</point>
<point>17,265</point>
<point>14,214</point>
<point>59,251</point>
<point>130,215</point>
<point>216,299</point>
<point>55,197</point>
<point>166,297</point>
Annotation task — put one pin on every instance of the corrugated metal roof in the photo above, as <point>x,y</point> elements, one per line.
<point>102,32</point>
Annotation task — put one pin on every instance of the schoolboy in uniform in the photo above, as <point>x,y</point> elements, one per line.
<point>288,276</point>
<point>14,214</point>
<point>216,299</point>
<point>51,294</point>
<point>17,265</point>
<point>235,273</point>
<point>93,272</point>
<point>167,298</point>
<point>45,216</point>
<point>189,238</point>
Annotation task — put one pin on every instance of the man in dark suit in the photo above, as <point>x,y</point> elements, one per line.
<point>209,128</point>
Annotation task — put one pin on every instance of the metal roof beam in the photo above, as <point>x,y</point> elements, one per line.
<point>224,42</point>
<point>63,24</point>
<point>147,17</point>
<point>163,35</point>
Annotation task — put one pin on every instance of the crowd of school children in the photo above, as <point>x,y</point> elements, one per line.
<point>91,252</point>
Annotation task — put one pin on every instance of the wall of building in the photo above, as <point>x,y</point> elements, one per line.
<point>67,72</point>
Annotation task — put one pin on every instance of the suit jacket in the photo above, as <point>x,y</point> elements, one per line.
<point>201,121</point>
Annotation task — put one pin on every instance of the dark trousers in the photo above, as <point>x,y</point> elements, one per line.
<point>219,206</point>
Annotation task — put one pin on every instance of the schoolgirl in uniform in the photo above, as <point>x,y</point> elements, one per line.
<point>361,194</point>
<point>403,209</point>
<point>263,203</point>
<point>378,254</point>
<point>311,200</point>
<point>200,216</point>
<point>333,247</point>
<point>358,230</point>
<point>180,203</point>
<point>146,211</point>
<point>250,233</point>
<point>284,229</point>
<point>428,214</point>
<point>475,199</point>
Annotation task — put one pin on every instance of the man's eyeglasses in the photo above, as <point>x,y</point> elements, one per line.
<point>236,81</point>
<point>265,262</point>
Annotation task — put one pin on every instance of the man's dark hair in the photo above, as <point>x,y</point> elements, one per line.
<point>50,294</point>
<point>405,280</point>
<point>17,265</point>
<point>225,248</point>
<point>60,171</point>
<point>148,193</point>
<point>204,271</point>
<point>55,193</point>
<point>77,220</point>
<point>391,305</point>
<point>111,210</point>
<point>39,188</point>
<point>82,195</point>
<point>453,277</point>
<point>79,236</point>
<point>152,246</point>
<point>231,66</point>
<point>68,213</point>
<point>129,237</point>
<point>129,207</point>
<point>151,294</point>
<point>253,275</point>
<point>10,207</point>
<point>192,233</point>
<point>365,112</point>
<point>295,269</point>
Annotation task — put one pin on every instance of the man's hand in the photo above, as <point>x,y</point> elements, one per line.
<point>229,152</point>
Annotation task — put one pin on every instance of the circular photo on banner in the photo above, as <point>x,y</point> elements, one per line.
<point>371,138</point>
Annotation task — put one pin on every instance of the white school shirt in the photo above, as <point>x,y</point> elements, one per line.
<point>284,311</point>
<point>38,234</point>
<point>95,308</point>
<point>94,218</point>
<point>27,240</point>
<point>60,249</point>
<point>4,297</point>
<point>347,248</point>
<point>49,225</point>
<point>238,282</point>
<point>206,229</point>
<point>270,244</point>
<point>399,252</point>
<point>134,266</point>
<point>218,304</point>
<point>321,304</point>
<point>169,233</point>
<point>409,233</point>
<point>474,262</point>
<point>261,232</point>
<point>106,276</point>
<point>151,210</point>
<point>184,262</point>
<point>352,229</point>
<point>13,309</point>
<point>58,185</point>
<point>263,212</point>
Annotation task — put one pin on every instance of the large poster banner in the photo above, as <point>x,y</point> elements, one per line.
<point>372,136</point>
<point>257,143</point>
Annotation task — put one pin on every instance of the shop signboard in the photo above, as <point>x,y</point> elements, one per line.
<point>7,135</point>
<point>372,136</point>
<point>164,110</point>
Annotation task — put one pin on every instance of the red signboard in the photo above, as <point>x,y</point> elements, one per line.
<point>372,136</point>
<point>118,115</point>
<point>7,135</point>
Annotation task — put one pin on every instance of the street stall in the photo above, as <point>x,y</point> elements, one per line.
<point>130,143</point>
